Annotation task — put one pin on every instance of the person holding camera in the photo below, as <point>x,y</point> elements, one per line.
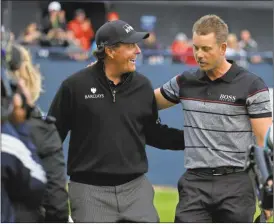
<point>54,207</point>
<point>23,179</point>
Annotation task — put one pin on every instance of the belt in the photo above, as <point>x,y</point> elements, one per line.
<point>98,179</point>
<point>218,171</point>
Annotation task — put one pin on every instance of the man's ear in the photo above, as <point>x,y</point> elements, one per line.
<point>223,48</point>
<point>109,52</point>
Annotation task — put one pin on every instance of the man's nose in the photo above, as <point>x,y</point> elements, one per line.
<point>138,50</point>
<point>199,56</point>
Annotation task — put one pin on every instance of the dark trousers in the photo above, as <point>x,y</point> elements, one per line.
<point>204,197</point>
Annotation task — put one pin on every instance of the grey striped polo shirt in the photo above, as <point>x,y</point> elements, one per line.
<point>216,114</point>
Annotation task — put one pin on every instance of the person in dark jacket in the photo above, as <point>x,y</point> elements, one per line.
<point>23,179</point>
<point>111,112</point>
<point>54,207</point>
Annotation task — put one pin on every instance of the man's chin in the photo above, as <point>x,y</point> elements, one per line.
<point>132,69</point>
<point>204,69</point>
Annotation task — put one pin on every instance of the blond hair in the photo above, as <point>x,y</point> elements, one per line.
<point>211,24</point>
<point>29,73</point>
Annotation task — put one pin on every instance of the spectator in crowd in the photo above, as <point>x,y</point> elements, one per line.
<point>54,26</point>
<point>82,29</point>
<point>31,35</point>
<point>233,51</point>
<point>182,51</point>
<point>56,37</point>
<point>56,19</point>
<point>88,34</point>
<point>111,16</point>
<point>248,44</point>
<point>150,43</point>
<point>178,47</point>
<point>74,44</point>
<point>22,177</point>
<point>74,49</point>
<point>150,47</point>
<point>43,133</point>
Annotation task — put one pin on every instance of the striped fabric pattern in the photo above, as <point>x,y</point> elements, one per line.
<point>217,115</point>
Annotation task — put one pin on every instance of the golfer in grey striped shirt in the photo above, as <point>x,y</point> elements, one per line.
<point>226,109</point>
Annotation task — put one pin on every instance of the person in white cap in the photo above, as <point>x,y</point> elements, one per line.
<point>54,6</point>
<point>55,18</point>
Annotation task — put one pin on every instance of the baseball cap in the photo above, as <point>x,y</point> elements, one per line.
<point>54,6</point>
<point>118,31</point>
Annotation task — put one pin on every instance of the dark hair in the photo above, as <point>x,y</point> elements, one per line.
<point>100,53</point>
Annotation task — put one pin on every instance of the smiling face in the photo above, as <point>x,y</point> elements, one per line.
<point>124,56</point>
<point>208,53</point>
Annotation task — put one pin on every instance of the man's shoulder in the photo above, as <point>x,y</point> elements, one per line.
<point>247,75</point>
<point>193,72</point>
<point>140,78</point>
<point>188,75</point>
<point>81,76</point>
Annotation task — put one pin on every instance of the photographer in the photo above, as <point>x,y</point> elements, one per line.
<point>54,207</point>
<point>22,177</point>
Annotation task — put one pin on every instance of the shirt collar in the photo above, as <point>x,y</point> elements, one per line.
<point>123,79</point>
<point>99,66</point>
<point>227,77</point>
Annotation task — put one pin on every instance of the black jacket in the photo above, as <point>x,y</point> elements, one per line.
<point>54,206</point>
<point>110,127</point>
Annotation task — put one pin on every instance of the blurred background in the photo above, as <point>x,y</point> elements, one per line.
<point>60,36</point>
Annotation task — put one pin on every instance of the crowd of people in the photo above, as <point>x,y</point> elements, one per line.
<point>226,110</point>
<point>181,49</point>
<point>55,31</point>
<point>77,36</point>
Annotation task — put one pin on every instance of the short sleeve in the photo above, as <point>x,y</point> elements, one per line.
<point>170,90</point>
<point>258,100</point>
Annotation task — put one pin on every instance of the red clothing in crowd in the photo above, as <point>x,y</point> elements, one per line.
<point>183,52</point>
<point>83,32</point>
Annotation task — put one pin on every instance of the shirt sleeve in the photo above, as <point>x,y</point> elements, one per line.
<point>171,90</point>
<point>258,100</point>
<point>159,135</point>
<point>61,109</point>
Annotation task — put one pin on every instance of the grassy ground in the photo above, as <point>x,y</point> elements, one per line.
<point>166,200</point>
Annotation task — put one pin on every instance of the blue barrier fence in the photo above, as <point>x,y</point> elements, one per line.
<point>165,167</point>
